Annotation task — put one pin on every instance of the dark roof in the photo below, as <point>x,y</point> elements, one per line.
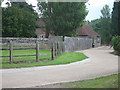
<point>86,30</point>
<point>40,22</point>
<point>39,31</point>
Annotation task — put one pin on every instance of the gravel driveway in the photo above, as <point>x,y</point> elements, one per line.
<point>100,63</point>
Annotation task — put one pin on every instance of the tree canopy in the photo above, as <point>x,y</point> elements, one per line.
<point>105,12</point>
<point>63,18</point>
<point>103,25</point>
<point>18,20</point>
<point>116,19</point>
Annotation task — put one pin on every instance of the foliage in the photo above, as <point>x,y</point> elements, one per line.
<point>105,12</point>
<point>116,19</point>
<point>0,20</point>
<point>63,17</point>
<point>103,25</point>
<point>116,43</point>
<point>19,20</point>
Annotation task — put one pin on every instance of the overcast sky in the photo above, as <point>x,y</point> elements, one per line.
<point>93,6</point>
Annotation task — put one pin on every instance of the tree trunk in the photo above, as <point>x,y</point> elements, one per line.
<point>47,33</point>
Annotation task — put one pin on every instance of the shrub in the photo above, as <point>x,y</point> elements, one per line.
<point>116,44</point>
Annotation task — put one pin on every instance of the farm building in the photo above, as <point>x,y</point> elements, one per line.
<point>87,32</point>
<point>41,31</point>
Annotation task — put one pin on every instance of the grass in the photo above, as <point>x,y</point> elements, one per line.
<point>102,82</point>
<point>62,59</point>
<point>24,52</point>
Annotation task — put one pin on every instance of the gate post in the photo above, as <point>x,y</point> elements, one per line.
<point>37,51</point>
<point>52,51</point>
<point>11,51</point>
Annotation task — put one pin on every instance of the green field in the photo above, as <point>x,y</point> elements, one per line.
<point>24,52</point>
<point>30,61</point>
<point>102,82</point>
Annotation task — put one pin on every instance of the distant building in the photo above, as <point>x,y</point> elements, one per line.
<point>87,32</point>
<point>41,30</point>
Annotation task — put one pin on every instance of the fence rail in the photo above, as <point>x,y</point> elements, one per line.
<point>55,50</point>
<point>25,48</point>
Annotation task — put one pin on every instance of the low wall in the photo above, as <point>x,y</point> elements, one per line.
<point>22,41</point>
<point>70,44</point>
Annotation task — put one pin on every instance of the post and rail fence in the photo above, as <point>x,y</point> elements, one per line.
<point>56,50</point>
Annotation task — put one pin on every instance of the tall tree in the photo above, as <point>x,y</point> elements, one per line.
<point>103,25</point>
<point>105,12</point>
<point>63,17</point>
<point>0,20</point>
<point>116,19</point>
<point>18,21</point>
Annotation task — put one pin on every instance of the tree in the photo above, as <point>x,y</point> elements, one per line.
<point>63,18</point>
<point>18,21</point>
<point>116,19</point>
<point>105,12</point>
<point>103,25</point>
<point>116,44</point>
<point>0,20</point>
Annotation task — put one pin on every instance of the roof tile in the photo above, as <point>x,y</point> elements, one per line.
<point>87,30</point>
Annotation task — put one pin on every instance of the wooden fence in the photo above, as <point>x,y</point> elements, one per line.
<point>56,49</point>
<point>75,43</point>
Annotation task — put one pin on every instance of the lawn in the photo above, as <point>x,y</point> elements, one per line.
<point>26,61</point>
<point>102,82</point>
<point>24,52</point>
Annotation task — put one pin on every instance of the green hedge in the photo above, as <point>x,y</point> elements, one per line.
<point>116,44</point>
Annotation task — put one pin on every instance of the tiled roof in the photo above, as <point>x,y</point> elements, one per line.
<point>40,22</point>
<point>39,31</point>
<point>86,30</point>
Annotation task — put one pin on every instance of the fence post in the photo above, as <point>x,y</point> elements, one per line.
<point>63,46</point>
<point>58,49</point>
<point>37,51</point>
<point>52,51</point>
<point>11,51</point>
<point>55,49</point>
<point>59,45</point>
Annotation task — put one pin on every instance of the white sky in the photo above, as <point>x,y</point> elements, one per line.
<point>3,3</point>
<point>93,6</point>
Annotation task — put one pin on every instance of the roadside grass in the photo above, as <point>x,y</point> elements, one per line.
<point>102,82</point>
<point>64,58</point>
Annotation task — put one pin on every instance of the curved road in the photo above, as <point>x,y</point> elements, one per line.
<point>102,64</point>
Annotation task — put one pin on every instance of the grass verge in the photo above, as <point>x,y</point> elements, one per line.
<point>102,82</point>
<point>64,58</point>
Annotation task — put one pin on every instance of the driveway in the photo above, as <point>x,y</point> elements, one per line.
<point>100,63</point>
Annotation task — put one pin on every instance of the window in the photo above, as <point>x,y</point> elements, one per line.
<point>41,37</point>
<point>98,40</point>
<point>89,37</point>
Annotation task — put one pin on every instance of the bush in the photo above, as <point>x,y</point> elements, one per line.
<point>116,44</point>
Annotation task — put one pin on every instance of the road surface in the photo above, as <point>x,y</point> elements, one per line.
<point>100,63</point>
